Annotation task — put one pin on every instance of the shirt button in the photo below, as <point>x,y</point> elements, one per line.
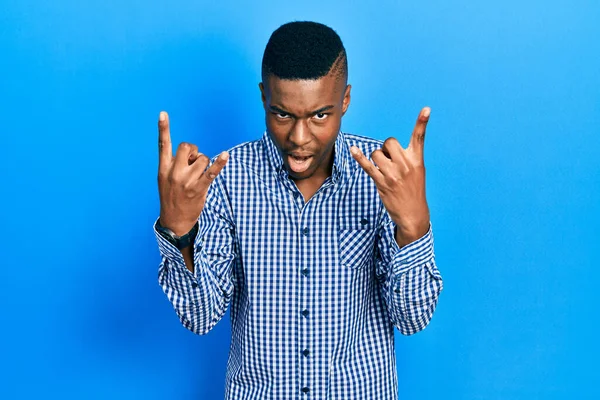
<point>305,352</point>
<point>305,312</point>
<point>305,231</point>
<point>305,389</point>
<point>364,221</point>
<point>296,195</point>
<point>305,271</point>
<point>194,285</point>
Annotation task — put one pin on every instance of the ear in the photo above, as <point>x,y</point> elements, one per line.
<point>346,99</point>
<point>263,96</point>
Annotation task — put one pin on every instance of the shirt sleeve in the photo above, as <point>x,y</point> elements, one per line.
<point>200,299</point>
<point>410,281</point>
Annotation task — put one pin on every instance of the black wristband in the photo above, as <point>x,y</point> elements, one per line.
<point>181,242</point>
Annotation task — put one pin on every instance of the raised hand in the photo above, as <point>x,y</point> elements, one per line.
<point>183,180</point>
<point>399,175</point>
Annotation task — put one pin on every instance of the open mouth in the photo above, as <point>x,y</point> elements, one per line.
<point>299,164</point>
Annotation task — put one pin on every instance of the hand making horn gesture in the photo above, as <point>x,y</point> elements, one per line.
<point>183,180</point>
<point>399,176</point>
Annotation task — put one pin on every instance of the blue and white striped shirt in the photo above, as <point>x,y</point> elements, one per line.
<point>315,287</point>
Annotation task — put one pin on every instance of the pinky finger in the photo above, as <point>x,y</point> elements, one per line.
<point>366,164</point>
<point>211,173</point>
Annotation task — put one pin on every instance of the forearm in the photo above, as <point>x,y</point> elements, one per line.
<point>198,287</point>
<point>411,282</point>
<point>200,300</point>
<point>413,297</point>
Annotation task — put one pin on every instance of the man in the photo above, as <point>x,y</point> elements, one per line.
<point>319,250</point>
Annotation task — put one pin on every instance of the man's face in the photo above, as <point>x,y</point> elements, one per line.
<point>303,119</point>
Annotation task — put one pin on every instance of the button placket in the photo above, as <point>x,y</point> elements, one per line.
<point>305,313</point>
<point>298,200</point>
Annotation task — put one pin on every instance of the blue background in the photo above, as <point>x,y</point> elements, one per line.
<point>513,184</point>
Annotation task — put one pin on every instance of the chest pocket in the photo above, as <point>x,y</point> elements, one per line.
<point>356,241</point>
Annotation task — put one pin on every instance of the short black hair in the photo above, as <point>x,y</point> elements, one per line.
<point>304,50</point>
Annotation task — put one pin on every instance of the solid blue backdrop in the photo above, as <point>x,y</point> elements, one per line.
<point>513,184</point>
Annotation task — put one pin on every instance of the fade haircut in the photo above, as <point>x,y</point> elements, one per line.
<point>304,50</point>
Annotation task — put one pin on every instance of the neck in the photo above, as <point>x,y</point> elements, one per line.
<point>309,186</point>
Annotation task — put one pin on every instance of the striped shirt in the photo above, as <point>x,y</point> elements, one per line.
<point>315,288</point>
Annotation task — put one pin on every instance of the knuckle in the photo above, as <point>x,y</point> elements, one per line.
<point>215,171</point>
<point>189,193</point>
<point>188,186</point>
<point>187,147</point>
<point>162,175</point>
<point>391,141</point>
<point>203,159</point>
<point>175,177</point>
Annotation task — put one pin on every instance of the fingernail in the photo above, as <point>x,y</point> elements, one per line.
<point>162,116</point>
<point>354,150</point>
<point>224,156</point>
<point>426,112</point>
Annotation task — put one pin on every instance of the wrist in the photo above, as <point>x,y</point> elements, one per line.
<point>179,228</point>
<point>179,241</point>
<point>406,236</point>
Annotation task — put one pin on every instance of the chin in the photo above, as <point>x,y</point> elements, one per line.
<point>301,175</point>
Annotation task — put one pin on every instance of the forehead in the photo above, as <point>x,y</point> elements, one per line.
<point>304,95</point>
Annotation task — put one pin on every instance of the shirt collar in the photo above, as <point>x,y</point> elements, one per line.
<point>341,157</point>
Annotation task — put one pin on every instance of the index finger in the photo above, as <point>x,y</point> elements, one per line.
<point>417,140</point>
<point>165,150</point>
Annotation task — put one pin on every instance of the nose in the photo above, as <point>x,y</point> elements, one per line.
<point>299,135</point>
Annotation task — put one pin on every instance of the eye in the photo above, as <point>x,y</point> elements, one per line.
<point>321,116</point>
<point>282,115</point>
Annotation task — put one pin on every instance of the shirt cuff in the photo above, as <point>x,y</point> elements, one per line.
<point>173,255</point>
<point>413,254</point>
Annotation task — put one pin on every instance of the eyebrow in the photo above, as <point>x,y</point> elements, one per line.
<point>282,111</point>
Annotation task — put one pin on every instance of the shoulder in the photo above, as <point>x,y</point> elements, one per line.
<point>246,151</point>
<point>366,144</point>
<point>245,160</point>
